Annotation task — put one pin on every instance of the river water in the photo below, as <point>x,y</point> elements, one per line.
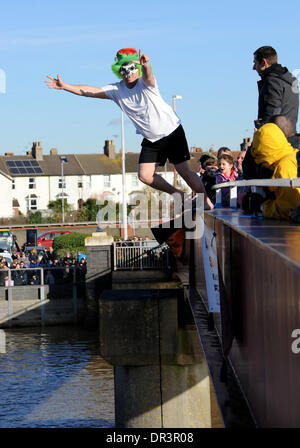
<point>54,377</point>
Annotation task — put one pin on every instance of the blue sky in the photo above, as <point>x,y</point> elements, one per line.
<point>202,51</point>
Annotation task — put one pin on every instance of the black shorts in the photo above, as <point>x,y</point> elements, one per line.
<point>174,148</point>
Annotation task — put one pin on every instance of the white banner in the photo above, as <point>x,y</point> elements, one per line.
<point>210,260</point>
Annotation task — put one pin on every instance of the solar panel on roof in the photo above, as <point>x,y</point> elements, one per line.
<point>24,167</point>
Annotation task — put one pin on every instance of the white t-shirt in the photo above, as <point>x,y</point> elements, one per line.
<point>150,114</point>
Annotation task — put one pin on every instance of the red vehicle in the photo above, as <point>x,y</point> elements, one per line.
<point>46,239</point>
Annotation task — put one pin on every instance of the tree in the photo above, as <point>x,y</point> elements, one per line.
<point>38,218</point>
<point>88,210</point>
<point>56,207</point>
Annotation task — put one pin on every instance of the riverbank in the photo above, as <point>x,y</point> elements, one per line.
<point>32,312</point>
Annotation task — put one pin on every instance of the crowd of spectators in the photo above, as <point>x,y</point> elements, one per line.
<point>220,168</point>
<point>55,269</point>
<point>134,241</point>
<point>269,155</point>
<point>275,150</point>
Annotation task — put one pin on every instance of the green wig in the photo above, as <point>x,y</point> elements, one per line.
<point>125,55</point>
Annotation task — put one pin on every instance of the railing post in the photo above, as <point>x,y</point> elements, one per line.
<point>42,295</point>
<point>115,255</point>
<point>75,299</point>
<point>141,255</point>
<point>233,197</point>
<point>42,289</point>
<point>9,298</point>
<point>218,198</point>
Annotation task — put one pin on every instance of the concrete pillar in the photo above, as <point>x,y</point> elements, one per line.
<point>161,377</point>
<point>163,396</point>
<point>98,277</point>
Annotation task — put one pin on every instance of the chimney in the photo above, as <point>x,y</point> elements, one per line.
<point>53,152</point>
<point>9,154</point>
<point>37,151</point>
<point>109,149</point>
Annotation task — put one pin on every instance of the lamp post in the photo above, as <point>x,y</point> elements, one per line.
<point>174,98</point>
<point>62,161</point>
<point>124,205</point>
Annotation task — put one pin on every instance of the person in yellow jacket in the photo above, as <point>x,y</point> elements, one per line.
<point>271,149</point>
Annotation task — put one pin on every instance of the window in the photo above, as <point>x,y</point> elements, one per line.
<point>32,202</point>
<point>134,180</point>
<point>80,182</point>
<point>106,181</point>
<point>49,237</point>
<point>61,183</point>
<point>13,185</point>
<point>62,195</point>
<point>32,183</point>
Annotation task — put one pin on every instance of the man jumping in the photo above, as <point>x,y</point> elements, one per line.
<point>138,97</point>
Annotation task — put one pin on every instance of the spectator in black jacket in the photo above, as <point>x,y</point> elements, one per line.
<point>278,89</point>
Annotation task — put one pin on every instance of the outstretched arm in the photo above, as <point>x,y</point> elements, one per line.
<point>148,76</point>
<point>82,90</point>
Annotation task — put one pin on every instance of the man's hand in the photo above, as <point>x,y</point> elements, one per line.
<point>146,69</point>
<point>54,83</point>
<point>81,90</point>
<point>143,59</point>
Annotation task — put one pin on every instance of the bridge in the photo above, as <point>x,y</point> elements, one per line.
<point>259,273</point>
<point>181,360</point>
<point>184,357</point>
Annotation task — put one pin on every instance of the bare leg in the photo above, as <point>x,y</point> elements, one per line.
<point>148,176</point>
<point>193,181</point>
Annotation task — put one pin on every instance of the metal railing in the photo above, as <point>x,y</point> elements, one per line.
<point>141,255</point>
<point>40,276</point>
<point>63,282</point>
<point>254,185</point>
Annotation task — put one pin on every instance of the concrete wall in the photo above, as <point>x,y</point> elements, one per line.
<point>161,377</point>
<point>5,197</point>
<point>259,277</point>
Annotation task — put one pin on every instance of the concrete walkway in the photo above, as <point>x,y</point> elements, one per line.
<point>34,312</point>
<point>18,308</point>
